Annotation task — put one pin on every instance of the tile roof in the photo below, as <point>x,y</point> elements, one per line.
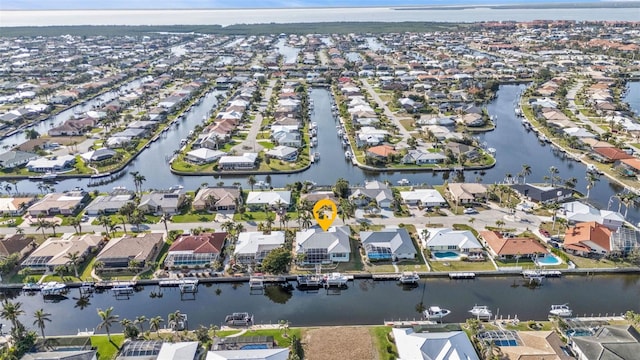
<point>512,246</point>
<point>203,243</point>
<point>577,237</point>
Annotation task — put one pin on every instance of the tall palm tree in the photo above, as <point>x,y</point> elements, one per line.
<point>76,223</point>
<point>174,320</point>
<point>140,320</point>
<point>41,318</point>
<point>41,224</point>
<point>154,323</point>
<point>526,171</point>
<point>630,200</point>
<point>53,225</point>
<point>252,181</point>
<point>108,318</point>
<point>164,219</point>
<point>553,171</point>
<point>11,311</point>
<point>591,182</point>
<point>305,220</point>
<point>135,174</point>
<point>74,259</point>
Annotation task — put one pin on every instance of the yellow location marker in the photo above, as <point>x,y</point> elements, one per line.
<point>325,212</point>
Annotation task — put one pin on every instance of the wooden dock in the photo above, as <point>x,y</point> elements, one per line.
<point>541,273</point>
<point>385,276</point>
<point>112,284</point>
<point>462,275</point>
<point>177,282</point>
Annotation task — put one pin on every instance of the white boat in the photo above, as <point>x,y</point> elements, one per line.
<point>561,310</point>
<point>239,319</point>
<point>316,156</point>
<point>436,313</point>
<point>31,287</point>
<point>52,288</point>
<point>120,290</point>
<point>183,141</point>
<point>49,176</point>
<point>593,169</point>
<point>347,154</point>
<point>409,277</point>
<point>481,312</point>
<point>403,182</point>
<point>312,158</point>
<point>314,125</point>
<point>491,151</point>
<point>336,279</point>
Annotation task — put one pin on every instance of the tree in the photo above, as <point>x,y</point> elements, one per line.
<point>31,134</point>
<point>591,182</point>
<point>630,201</point>
<point>277,261</point>
<point>553,171</point>
<point>341,188</point>
<point>154,323</point>
<point>107,320</point>
<point>41,224</point>
<point>53,225</point>
<point>130,330</point>
<point>499,224</point>
<point>11,311</point>
<point>138,179</point>
<point>284,327</point>
<point>76,223</point>
<point>126,211</point>
<point>526,171</point>
<point>251,181</point>
<point>41,318</point>
<point>74,259</point>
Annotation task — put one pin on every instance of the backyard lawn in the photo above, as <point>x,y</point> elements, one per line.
<point>107,350</point>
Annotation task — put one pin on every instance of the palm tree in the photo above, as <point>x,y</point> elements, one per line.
<point>42,224</point>
<point>305,220</point>
<point>74,259</point>
<point>591,182</point>
<point>11,311</point>
<point>107,320</point>
<point>41,318</point>
<point>138,179</point>
<point>53,225</point>
<point>630,201</point>
<point>140,320</point>
<point>553,171</point>
<point>164,219</point>
<point>526,171</point>
<point>76,223</point>
<point>251,181</point>
<point>174,320</point>
<point>499,223</point>
<point>154,323</point>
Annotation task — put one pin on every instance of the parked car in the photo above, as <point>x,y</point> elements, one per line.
<point>469,211</point>
<point>544,232</point>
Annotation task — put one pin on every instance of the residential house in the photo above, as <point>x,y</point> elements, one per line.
<point>512,248</point>
<point>15,206</point>
<point>109,204</point>
<point>196,250</point>
<point>322,247</point>
<point>245,161</point>
<point>204,155</point>
<point>445,239</point>
<point>625,240</point>
<point>458,149</point>
<point>253,354</point>
<point>284,153</point>
<point>217,199</point>
<point>545,345</point>
<point>162,202</point>
<point>315,196</point>
<point>608,342</point>
<point>388,244</point>
<point>543,194</point>
<point>632,165</point>
<point>16,158</point>
<point>464,193</point>
<point>141,249</point>
<point>610,154</point>
<point>183,350</point>
<point>54,251</point>
<point>420,157</point>
<point>257,200</point>
<point>140,350</point>
<point>423,197</point>
<point>577,212</point>
<point>433,345</point>
<point>587,238</point>
<point>67,203</point>
<point>52,164</point>
<point>20,244</point>
<point>373,191</point>
<point>98,155</point>
<point>254,246</point>
<point>62,355</point>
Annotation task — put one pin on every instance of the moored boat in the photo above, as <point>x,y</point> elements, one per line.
<point>239,319</point>
<point>481,312</point>
<point>52,288</point>
<point>409,277</point>
<point>561,310</point>
<point>435,313</point>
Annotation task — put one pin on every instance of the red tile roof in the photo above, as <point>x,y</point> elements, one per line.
<point>512,246</point>
<point>577,237</point>
<point>612,153</point>
<point>202,244</point>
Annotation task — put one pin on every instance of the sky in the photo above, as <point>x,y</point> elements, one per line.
<point>212,4</point>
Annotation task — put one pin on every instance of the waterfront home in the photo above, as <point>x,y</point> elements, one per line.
<point>162,202</point>
<point>73,127</point>
<point>433,345</point>
<point>625,240</point>
<point>109,204</point>
<point>631,165</point>
<point>217,199</point>
<point>388,244</point>
<point>608,342</point>
<point>529,344</point>
<point>458,149</point>
<point>423,197</point>
<point>52,164</point>
<point>66,203</point>
<point>183,350</point>
<point>587,238</point>
<point>369,136</point>
<point>285,153</point>
<point>577,212</point>
<point>543,194</point>
<point>512,247</point>
<point>140,350</point>
<point>257,200</point>
<point>15,206</point>
<point>610,155</point>
<point>324,247</point>
<point>62,355</point>
<point>204,155</point>
<point>254,246</point>
<point>53,252</point>
<point>120,252</point>
<point>16,158</point>
<point>252,354</point>
<point>314,196</point>
<point>464,193</point>
<point>20,244</point>
<point>196,250</point>
<point>372,191</point>
<point>290,137</point>
<point>98,155</point>
<point>246,161</point>
<point>421,157</point>
<point>445,239</point>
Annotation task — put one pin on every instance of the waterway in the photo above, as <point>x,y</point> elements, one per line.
<point>514,147</point>
<point>289,53</point>
<point>633,97</point>
<point>363,302</point>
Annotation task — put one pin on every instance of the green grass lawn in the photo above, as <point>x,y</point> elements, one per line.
<point>386,348</point>
<point>278,335</point>
<point>107,350</point>
<point>355,264</point>
<point>193,217</point>
<point>450,266</point>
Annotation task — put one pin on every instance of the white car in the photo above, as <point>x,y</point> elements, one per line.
<point>469,211</point>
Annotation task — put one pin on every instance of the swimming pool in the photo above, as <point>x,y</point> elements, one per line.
<point>446,255</point>
<point>548,259</point>
<point>254,347</point>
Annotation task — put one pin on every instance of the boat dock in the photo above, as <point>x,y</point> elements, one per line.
<point>177,282</point>
<point>462,275</point>
<point>112,284</point>
<point>541,273</point>
<point>385,276</point>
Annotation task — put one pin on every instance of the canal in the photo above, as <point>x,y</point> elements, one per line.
<point>364,302</point>
<point>514,147</point>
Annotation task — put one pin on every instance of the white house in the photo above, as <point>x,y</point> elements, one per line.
<point>253,354</point>
<point>257,199</point>
<point>204,155</point>
<point>52,164</point>
<point>388,244</point>
<point>424,197</point>
<point>445,239</point>
<point>320,246</point>
<point>245,161</point>
<point>576,212</point>
<point>254,246</point>
<point>434,345</point>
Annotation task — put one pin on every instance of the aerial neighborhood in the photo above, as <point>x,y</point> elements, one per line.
<point>153,162</point>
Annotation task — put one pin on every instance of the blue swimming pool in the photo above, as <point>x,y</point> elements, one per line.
<point>506,342</point>
<point>548,259</point>
<point>254,347</point>
<point>449,255</point>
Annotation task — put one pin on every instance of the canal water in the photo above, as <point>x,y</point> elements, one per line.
<point>514,147</point>
<point>363,302</point>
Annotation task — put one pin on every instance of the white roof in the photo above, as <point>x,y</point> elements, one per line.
<point>254,354</point>
<point>335,239</point>
<point>178,351</point>
<point>268,197</point>
<point>246,157</point>
<point>50,163</point>
<point>579,212</point>
<point>463,239</point>
<point>450,345</point>
<point>205,154</point>
<point>426,196</point>
<point>252,242</point>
